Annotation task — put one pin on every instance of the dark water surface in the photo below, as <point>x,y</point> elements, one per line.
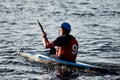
<point>95,23</point>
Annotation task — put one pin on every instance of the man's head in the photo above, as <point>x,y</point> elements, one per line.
<point>65,28</point>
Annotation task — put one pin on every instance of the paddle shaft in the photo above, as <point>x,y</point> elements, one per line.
<point>41,27</point>
<point>45,39</point>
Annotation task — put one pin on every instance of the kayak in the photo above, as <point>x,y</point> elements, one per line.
<point>49,59</point>
<point>46,58</point>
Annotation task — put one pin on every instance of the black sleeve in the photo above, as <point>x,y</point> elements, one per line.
<point>61,41</point>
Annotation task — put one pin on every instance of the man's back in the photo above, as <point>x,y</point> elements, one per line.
<point>67,47</point>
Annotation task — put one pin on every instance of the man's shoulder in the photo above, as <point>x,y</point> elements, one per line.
<point>65,37</point>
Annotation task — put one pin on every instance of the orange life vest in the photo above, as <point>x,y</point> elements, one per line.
<point>70,52</point>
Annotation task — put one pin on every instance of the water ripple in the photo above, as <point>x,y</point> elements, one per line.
<point>6,70</point>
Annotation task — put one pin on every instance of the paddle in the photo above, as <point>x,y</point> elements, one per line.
<point>41,27</point>
<point>45,38</point>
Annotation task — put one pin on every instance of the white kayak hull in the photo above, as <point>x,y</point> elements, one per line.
<point>45,58</point>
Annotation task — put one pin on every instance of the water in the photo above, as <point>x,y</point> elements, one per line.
<point>95,23</point>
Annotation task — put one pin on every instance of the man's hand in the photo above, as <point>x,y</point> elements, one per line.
<point>44,34</point>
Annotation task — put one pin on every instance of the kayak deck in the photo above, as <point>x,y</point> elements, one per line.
<point>48,59</point>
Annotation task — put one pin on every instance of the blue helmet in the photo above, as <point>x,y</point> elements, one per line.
<point>66,26</point>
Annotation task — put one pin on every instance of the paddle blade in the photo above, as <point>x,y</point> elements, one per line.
<point>41,27</point>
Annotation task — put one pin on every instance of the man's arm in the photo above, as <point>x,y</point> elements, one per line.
<point>46,43</point>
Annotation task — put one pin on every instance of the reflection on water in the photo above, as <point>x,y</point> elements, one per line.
<point>63,72</point>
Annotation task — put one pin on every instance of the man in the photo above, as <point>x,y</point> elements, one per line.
<point>66,43</point>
